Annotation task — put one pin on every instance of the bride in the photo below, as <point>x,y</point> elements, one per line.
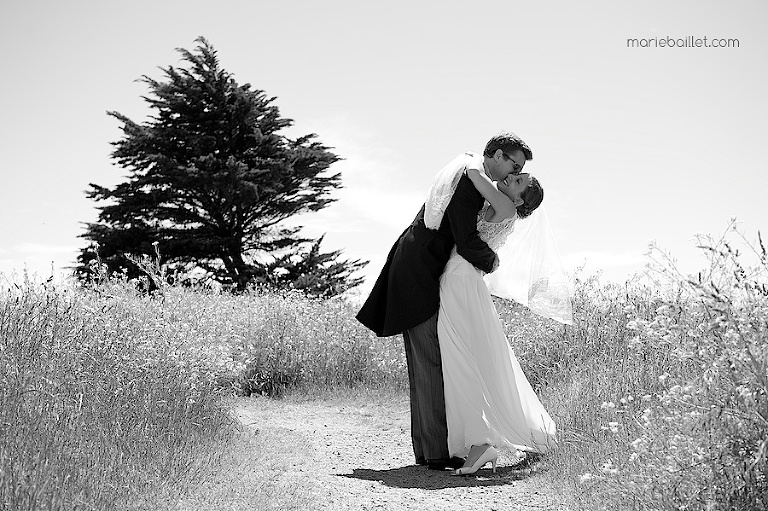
<point>489,402</point>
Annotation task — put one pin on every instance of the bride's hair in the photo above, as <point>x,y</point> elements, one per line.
<point>507,142</point>
<point>532,197</point>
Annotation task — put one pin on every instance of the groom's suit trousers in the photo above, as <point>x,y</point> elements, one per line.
<point>425,376</point>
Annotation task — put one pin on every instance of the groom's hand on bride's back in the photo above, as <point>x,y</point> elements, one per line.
<point>495,263</point>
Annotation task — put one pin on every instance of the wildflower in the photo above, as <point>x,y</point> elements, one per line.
<point>663,377</point>
<point>608,468</point>
<point>585,477</point>
<point>647,415</point>
<point>606,405</point>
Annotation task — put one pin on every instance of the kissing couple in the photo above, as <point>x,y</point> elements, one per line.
<point>480,232</point>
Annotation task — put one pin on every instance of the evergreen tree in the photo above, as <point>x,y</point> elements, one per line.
<point>210,182</point>
<point>315,273</point>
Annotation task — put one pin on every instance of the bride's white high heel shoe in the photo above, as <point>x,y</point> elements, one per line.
<point>490,454</point>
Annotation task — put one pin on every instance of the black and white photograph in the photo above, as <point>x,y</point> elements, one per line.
<point>346,255</point>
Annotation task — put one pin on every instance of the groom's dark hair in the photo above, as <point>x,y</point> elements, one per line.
<point>507,142</point>
<point>532,197</point>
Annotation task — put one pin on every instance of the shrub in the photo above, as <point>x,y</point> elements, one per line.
<point>303,342</point>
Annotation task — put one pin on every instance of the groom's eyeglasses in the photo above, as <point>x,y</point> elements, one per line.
<point>516,168</point>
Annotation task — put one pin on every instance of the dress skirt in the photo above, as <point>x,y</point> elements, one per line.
<point>488,399</point>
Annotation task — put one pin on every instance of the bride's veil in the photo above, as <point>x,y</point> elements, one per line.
<point>443,186</point>
<point>531,271</point>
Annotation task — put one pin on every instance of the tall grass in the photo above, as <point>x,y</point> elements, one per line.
<point>302,343</point>
<point>662,401</point>
<point>96,411</point>
<point>112,399</point>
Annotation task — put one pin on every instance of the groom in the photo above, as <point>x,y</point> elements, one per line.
<point>406,296</point>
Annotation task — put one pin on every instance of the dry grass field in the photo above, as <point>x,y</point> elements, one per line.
<point>110,399</point>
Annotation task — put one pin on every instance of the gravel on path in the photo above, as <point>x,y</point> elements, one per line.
<point>351,454</point>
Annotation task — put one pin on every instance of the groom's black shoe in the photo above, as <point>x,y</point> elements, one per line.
<point>443,463</point>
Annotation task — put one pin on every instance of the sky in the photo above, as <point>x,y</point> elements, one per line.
<point>631,144</point>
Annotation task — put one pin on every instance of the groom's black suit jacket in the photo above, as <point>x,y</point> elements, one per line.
<point>407,291</point>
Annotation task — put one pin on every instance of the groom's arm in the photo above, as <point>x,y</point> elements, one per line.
<point>462,217</point>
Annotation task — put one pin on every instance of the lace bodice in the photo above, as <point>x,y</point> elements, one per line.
<point>494,233</point>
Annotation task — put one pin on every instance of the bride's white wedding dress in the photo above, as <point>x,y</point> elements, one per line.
<point>488,399</point>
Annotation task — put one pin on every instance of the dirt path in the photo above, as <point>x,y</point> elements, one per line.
<point>357,455</point>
